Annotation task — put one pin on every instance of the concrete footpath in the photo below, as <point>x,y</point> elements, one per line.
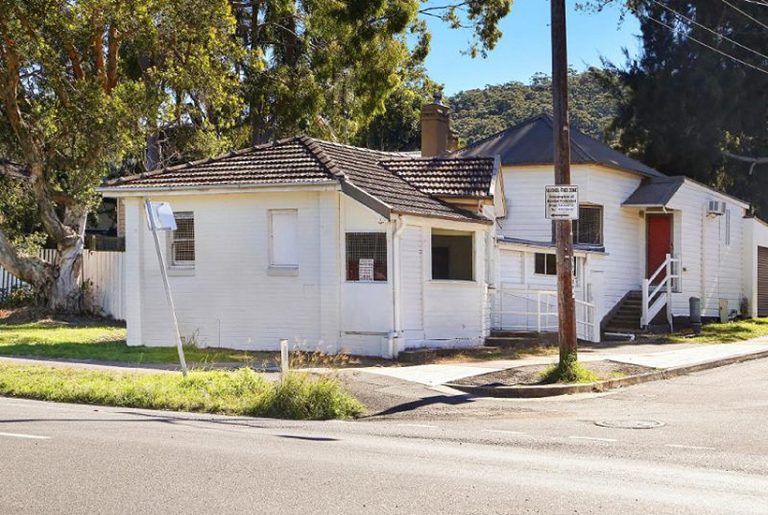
<point>658,357</point>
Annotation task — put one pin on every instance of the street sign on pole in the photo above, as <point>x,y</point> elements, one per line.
<point>562,202</point>
<point>160,218</point>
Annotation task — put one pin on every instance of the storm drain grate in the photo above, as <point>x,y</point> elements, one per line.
<point>630,424</point>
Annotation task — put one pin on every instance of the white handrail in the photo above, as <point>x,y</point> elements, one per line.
<point>658,270</point>
<point>651,305</point>
<point>544,312</point>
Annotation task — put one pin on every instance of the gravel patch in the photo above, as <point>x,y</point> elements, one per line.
<point>531,374</point>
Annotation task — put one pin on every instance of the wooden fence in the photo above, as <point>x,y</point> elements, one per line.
<point>102,278</point>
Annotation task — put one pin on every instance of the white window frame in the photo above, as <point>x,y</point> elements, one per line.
<point>575,268</point>
<point>273,265</point>
<point>182,264</point>
<point>576,241</point>
<point>473,259</point>
<point>545,274</point>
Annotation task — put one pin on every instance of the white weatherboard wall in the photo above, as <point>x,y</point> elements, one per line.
<point>755,235</point>
<point>454,313</point>
<point>621,269</point>
<point>231,299</point>
<point>711,268</point>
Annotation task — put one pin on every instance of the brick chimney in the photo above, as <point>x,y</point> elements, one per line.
<point>436,135</point>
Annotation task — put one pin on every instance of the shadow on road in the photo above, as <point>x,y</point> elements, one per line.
<point>453,400</point>
<point>310,438</point>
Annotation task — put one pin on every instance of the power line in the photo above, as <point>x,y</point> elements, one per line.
<point>756,2</point>
<point>718,34</point>
<point>729,56</point>
<point>726,2</point>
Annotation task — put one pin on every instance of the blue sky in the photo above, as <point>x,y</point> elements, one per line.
<point>525,47</point>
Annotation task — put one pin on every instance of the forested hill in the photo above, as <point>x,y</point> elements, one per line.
<point>477,113</point>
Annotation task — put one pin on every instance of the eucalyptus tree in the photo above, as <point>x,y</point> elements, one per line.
<point>83,84</point>
<point>328,67</point>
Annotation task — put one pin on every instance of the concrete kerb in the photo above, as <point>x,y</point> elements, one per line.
<point>553,390</point>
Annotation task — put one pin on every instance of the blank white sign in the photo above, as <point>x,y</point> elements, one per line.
<point>162,216</point>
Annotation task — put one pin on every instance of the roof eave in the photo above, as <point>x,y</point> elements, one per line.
<point>133,191</point>
<point>467,219</point>
<point>366,199</point>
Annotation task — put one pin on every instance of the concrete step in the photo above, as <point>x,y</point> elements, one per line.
<point>497,333</point>
<point>631,319</point>
<point>518,340</point>
<point>422,356</point>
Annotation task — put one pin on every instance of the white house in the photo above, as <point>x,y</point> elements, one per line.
<point>332,246</point>
<point>631,218</point>
<point>340,248</point>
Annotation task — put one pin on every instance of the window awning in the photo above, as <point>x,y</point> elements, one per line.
<point>656,192</point>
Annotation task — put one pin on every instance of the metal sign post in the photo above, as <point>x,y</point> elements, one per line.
<point>160,218</point>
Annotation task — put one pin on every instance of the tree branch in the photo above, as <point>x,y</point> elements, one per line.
<point>746,159</point>
<point>74,59</point>
<point>112,56</point>
<point>98,50</point>
<point>14,170</point>
<point>60,232</point>
<point>30,269</point>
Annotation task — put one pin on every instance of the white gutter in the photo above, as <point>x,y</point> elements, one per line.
<point>117,191</point>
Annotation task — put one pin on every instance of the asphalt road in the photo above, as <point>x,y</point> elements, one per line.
<point>439,455</point>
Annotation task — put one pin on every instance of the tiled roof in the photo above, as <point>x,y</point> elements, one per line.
<point>364,169</point>
<point>531,142</point>
<point>275,163</point>
<point>447,177</point>
<point>383,176</point>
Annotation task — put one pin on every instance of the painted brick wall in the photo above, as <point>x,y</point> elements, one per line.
<point>231,299</point>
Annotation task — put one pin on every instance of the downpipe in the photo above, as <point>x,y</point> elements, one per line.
<point>394,336</point>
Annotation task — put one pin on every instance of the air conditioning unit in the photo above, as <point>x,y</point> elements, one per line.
<point>716,208</point>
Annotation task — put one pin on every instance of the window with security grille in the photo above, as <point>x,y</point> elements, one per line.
<point>366,256</point>
<point>588,229</point>
<point>183,240</point>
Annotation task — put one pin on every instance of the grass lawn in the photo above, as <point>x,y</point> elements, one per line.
<point>234,392</point>
<point>725,333</point>
<point>100,341</point>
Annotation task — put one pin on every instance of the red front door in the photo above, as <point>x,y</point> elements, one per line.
<point>659,241</point>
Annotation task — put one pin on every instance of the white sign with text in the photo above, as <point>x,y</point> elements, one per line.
<point>562,202</point>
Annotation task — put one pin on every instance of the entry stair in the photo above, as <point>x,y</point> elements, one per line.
<point>627,319</point>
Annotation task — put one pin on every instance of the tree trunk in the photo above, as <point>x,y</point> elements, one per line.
<point>66,293</point>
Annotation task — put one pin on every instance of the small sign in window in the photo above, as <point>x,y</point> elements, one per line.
<point>365,269</point>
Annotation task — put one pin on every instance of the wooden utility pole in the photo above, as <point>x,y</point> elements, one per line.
<point>566,303</point>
